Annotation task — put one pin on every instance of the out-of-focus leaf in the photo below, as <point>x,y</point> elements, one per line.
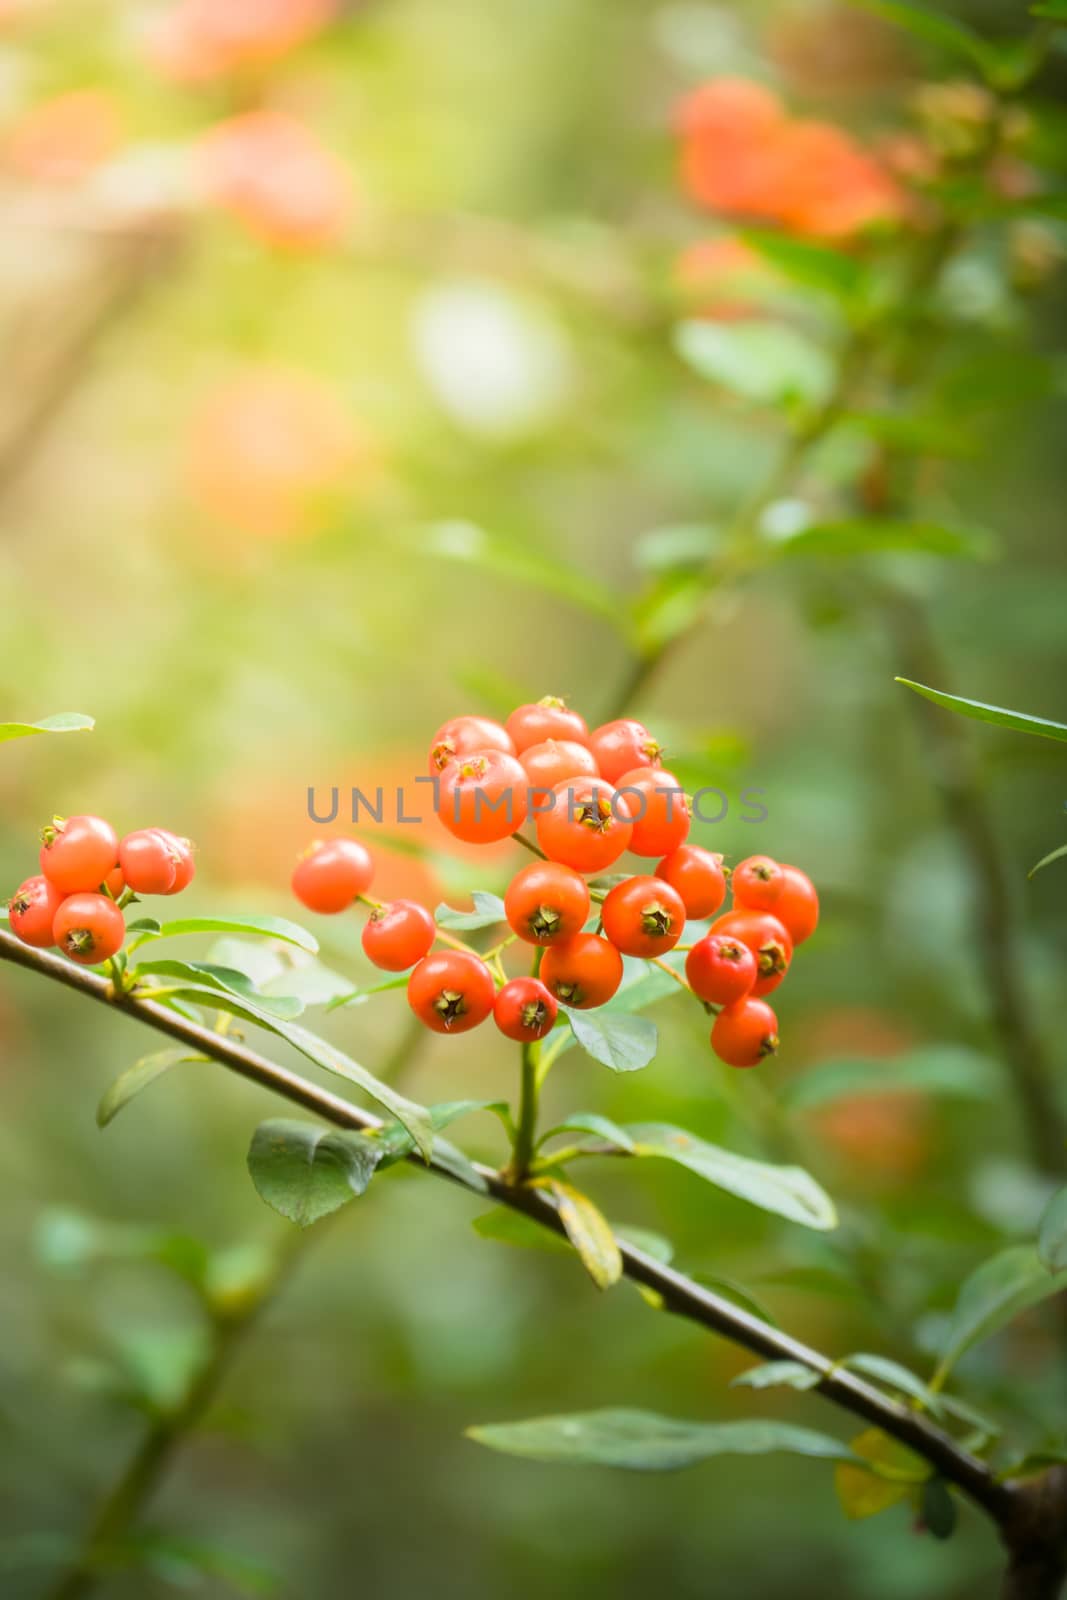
<point>62,722</point>
<point>892,1476</point>
<point>1019,720</point>
<point>488,911</point>
<point>588,1231</point>
<point>815,266</point>
<point>896,1377</point>
<point>681,545</point>
<point>937,1508</point>
<point>787,1191</point>
<point>857,537</point>
<point>1052,1235</point>
<point>184,1562</point>
<point>653,1244</point>
<point>138,1077</point>
<point>305,1171</point>
<point>996,1292</point>
<point>623,1043</point>
<point>940,1069</point>
<point>668,609</point>
<point>641,1441</point>
<point>511,1227</point>
<point>359,997</point>
<point>1046,861</point>
<point>269,927</point>
<point>766,362</point>
<point>771,1374</point>
<point>947,33</point>
<point>730,1289</point>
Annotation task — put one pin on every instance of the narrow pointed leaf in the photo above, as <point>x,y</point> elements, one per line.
<point>1046,861</point>
<point>62,722</point>
<point>589,1232</point>
<point>130,1083</point>
<point>996,1292</point>
<point>788,1191</point>
<point>266,927</point>
<point>1021,721</point>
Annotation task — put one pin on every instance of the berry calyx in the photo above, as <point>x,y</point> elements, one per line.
<point>546,902</point>
<point>464,736</point>
<point>588,827</point>
<point>89,928</point>
<point>524,1010</point>
<point>745,1034</point>
<point>768,940</point>
<point>149,865</point>
<point>643,917</point>
<point>720,970</point>
<point>757,883</point>
<point>77,853</point>
<point>583,972</point>
<point>621,746</point>
<point>699,878</point>
<point>397,935</point>
<point>451,991</point>
<point>330,874</point>
<point>32,911</point>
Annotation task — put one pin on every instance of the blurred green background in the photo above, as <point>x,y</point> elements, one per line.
<point>495,399</point>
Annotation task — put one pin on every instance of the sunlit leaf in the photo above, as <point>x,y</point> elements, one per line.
<point>1046,861</point>
<point>305,1171</point>
<point>815,266</point>
<point>641,1441</point>
<point>994,1294</point>
<point>681,545</point>
<point>766,362</point>
<point>1019,720</point>
<point>858,537</point>
<point>62,722</point>
<point>787,1191</point>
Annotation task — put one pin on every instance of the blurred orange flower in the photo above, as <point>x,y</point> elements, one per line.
<point>268,446</point>
<point>198,40</point>
<point>742,154</point>
<point>276,177</point>
<point>64,139</point>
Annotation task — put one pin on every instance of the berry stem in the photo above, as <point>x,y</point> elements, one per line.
<point>526,1126</point>
<point>669,970</point>
<point>528,844</point>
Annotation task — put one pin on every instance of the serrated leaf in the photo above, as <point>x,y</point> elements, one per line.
<point>305,1171</point>
<point>766,362</point>
<point>130,1083</point>
<point>641,1441</point>
<point>996,1292</point>
<point>62,722</point>
<point>623,1043</point>
<point>1052,1235</point>
<point>937,1069</point>
<point>1020,721</point>
<point>772,1374</point>
<point>856,536</point>
<point>488,912</point>
<point>787,1191</point>
<point>267,927</point>
<point>588,1231</point>
<point>1046,861</point>
<point>892,1476</point>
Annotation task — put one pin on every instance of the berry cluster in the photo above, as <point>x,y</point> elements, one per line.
<point>88,876</point>
<point>591,796</point>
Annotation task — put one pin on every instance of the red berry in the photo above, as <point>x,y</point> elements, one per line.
<point>768,940</point>
<point>451,991</point>
<point>546,902</point>
<point>548,719</point>
<point>588,826</point>
<point>115,883</point>
<point>482,798</point>
<point>720,970</point>
<point>32,911</point>
<point>745,1033</point>
<point>397,935</point>
<point>549,764</point>
<point>798,908</point>
<point>643,917</point>
<point>757,883</point>
<point>89,928</point>
<point>699,878</point>
<point>583,972</point>
<point>147,862</point>
<point>621,746</point>
<point>465,736</point>
<point>78,853</point>
<point>524,1010</point>
<point>181,851</point>
<point>660,810</point>
<point>331,873</point>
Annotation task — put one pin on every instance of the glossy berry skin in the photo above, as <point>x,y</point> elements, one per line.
<point>89,928</point>
<point>32,911</point>
<point>148,864</point>
<point>546,903</point>
<point>451,991</point>
<point>720,970</point>
<point>398,935</point>
<point>330,874</point>
<point>182,854</point>
<point>549,764</point>
<point>78,853</point>
<point>524,1010</point>
<point>757,883</point>
<point>621,746</point>
<point>768,940</point>
<point>588,827</point>
<point>549,718</point>
<point>798,908</point>
<point>582,972</point>
<point>482,798</point>
<point>115,883</point>
<point>660,810</point>
<point>465,736</point>
<point>698,876</point>
<point>643,917</point>
<point>745,1034</point>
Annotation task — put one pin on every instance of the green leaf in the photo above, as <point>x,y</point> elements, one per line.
<point>511,1227</point>
<point>267,927</point>
<point>771,1374</point>
<point>766,362</point>
<point>1019,720</point>
<point>588,1231</point>
<point>641,1441</point>
<point>1046,861</point>
<point>816,266</point>
<point>854,537</point>
<point>592,1122</point>
<point>730,1289</point>
<point>138,1077</point>
<point>896,1377</point>
<point>623,1043</point>
<point>787,1191</point>
<point>937,1508</point>
<point>1052,1235</point>
<point>359,997</point>
<point>938,1069</point>
<point>894,1471</point>
<point>228,980</point>
<point>488,911</point>
<point>398,1142</point>
<point>947,33</point>
<point>996,1292</point>
<point>681,545</point>
<point>305,1171</point>
<point>63,722</point>
<point>1056,9</point>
